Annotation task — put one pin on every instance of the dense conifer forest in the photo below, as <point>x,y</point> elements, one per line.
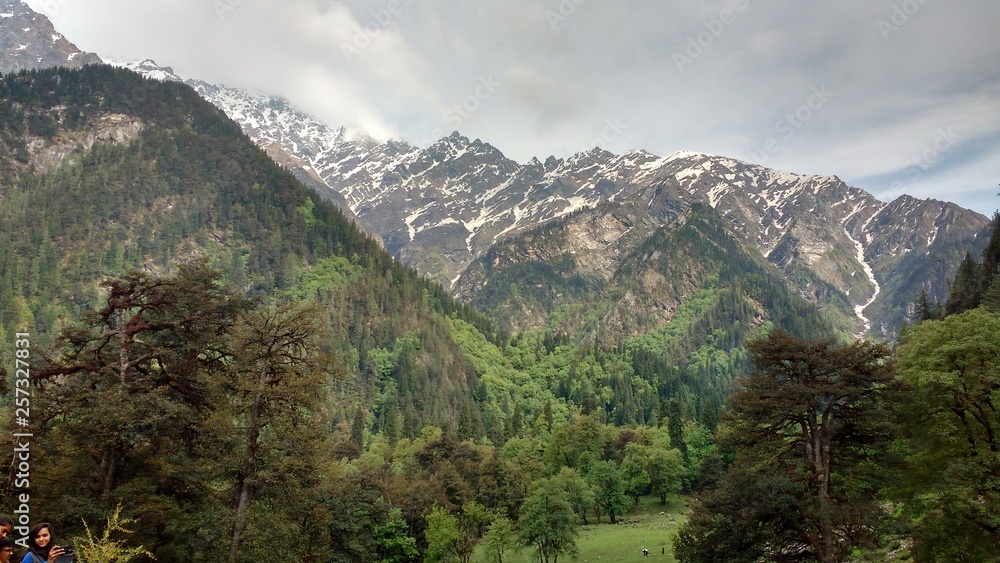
<point>221,356</point>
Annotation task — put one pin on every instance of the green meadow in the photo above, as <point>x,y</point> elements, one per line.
<point>610,543</point>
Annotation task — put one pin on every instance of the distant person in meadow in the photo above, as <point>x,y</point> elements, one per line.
<point>41,545</point>
<point>6,549</point>
<point>645,552</point>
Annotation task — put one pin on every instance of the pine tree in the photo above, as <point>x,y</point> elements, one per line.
<point>923,310</point>
<point>392,428</point>
<point>675,428</point>
<point>967,290</point>
<point>358,428</point>
<point>991,299</point>
<point>991,254</point>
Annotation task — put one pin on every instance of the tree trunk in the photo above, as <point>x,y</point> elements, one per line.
<point>109,470</point>
<point>123,346</point>
<point>243,497</point>
<point>822,468</point>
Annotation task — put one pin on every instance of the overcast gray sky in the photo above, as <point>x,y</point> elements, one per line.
<point>893,96</point>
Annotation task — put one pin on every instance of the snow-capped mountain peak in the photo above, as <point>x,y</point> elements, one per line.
<point>441,207</point>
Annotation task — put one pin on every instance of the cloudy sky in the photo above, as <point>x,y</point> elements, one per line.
<point>893,96</point>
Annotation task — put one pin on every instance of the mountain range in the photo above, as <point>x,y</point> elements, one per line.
<point>443,207</point>
<point>463,214</point>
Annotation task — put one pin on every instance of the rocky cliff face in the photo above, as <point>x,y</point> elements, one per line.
<point>861,259</point>
<point>28,41</point>
<point>46,154</point>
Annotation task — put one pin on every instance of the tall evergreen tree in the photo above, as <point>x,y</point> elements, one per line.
<point>991,254</point>
<point>128,399</point>
<point>675,427</point>
<point>991,298</point>
<point>967,289</point>
<point>814,414</point>
<point>275,384</point>
<point>923,308</point>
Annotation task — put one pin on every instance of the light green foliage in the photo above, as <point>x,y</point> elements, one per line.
<point>394,543</point>
<point>326,277</point>
<point>609,490</point>
<point>668,337</point>
<point>104,549</point>
<point>635,478</point>
<point>952,486</point>
<point>571,440</point>
<point>474,522</point>
<point>699,443</point>
<point>454,537</point>
<point>578,491</point>
<point>653,526</point>
<point>666,471</point>
<point>499,540</point>
<point>547,522</point>
<point>443,536</point>
<point>306,210</point>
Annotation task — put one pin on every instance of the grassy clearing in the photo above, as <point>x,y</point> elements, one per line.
<point>609,543</point>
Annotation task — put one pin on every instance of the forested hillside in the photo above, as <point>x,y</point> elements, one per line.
<point>105,172</point>
<point>110,177</point>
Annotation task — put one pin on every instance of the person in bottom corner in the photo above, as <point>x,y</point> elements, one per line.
<point>41,545</point>
<point>6,526</point>
<point>6,549</point>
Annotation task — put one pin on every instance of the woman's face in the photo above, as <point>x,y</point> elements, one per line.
<point>43,537</point>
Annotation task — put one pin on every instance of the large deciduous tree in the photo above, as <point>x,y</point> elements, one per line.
<point>609,490</point>
<point>666,471</point>
<point>808,424</point>
<point>952,483</point>
<point>547,521</point>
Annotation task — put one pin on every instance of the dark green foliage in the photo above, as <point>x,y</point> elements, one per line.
<point>675,424</point>
<point>175,394</point>
<point>753,516</point>
<point>991,254</point>
<point>814,414</point>
<point>924,310</point>
<point>991,298</point>
<point>967,290</point>
<point>991,265</point>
